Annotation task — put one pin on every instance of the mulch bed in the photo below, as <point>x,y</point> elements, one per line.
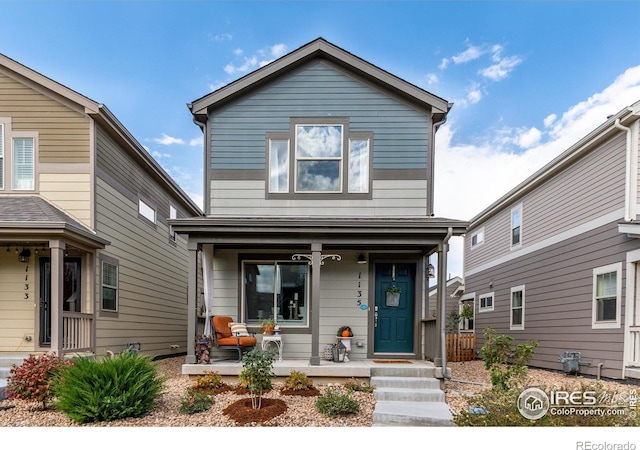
<point>311,392</point>
<point>244,414</point>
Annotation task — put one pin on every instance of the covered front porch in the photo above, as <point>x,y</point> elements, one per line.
<point>350,264</point>
<point>47,273</point>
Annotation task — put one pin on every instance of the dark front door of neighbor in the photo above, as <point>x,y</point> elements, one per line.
<point>393,317</point>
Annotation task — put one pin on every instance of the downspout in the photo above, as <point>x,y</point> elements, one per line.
<point>632,155</point>
<point>442,293</point>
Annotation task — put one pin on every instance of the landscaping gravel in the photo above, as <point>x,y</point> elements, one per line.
<point>301,411</point>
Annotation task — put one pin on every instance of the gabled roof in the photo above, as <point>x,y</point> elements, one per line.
<point>101,114</point>
<point>561,162</point>
<point>320,49</point>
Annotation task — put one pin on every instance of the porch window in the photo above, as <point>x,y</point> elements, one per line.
<point>276,289</point>
<point>109,286</point>
<point>607,291</point>
<point>517,308</point>
<point>23,164</point>
<point>485,302</point>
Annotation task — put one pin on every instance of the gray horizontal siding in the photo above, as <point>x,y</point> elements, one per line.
<point>591,187</point>
<point>558,299</point>
<point>318,90</point>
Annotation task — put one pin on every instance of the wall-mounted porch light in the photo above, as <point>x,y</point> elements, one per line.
<point>431,271</point>
<point>24,255</point>
<point>362,259</point>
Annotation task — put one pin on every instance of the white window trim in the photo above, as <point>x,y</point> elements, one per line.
<point>486,308</point>
<point>519,244</point>
<point>616,267</point>
<point>116,287</point>
<point>146,211</point>
<point>173,214</point>
<point>511,324</point>
<point>474,234</point>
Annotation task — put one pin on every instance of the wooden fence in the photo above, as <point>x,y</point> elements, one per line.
<point>461,347</point>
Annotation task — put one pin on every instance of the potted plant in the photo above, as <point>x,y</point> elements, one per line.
<point>268,325</point>
<point>393,295</point>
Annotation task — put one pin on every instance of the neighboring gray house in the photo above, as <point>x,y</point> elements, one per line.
<point>455,288</point>
<point>88,262</point>
<point>318,196</point>
<point>557,259</point>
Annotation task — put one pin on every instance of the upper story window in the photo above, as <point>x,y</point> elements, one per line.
<point>23,164</point>
<point>607,296</point>
<point>516,226</point>
<point>173,214</point>
<point>477,237</point>
<point>319,157</point>
<point>146,211</point>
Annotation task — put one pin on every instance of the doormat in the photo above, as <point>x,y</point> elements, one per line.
<point>391,361</point>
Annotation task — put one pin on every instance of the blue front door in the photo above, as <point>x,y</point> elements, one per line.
<point>394,318</point>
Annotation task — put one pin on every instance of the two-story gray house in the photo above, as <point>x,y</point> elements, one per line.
<point>557,259</point>
<point>318,197</point>
<point>88,262</point>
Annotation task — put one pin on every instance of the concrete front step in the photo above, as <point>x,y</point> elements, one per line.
<point>417,414</point>
<point>402,370</point>
<point>408,395</point>
<point>405,382</point>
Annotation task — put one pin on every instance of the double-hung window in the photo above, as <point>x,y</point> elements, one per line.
<point>319,157</point>
<point>517,308</point>
<point>477,237</point>
<point>516,226</point>
<point>147,211</point>
<point>109,286</point>
<point>607,294</point>
<point>278,289</point>
<point>23,164</point>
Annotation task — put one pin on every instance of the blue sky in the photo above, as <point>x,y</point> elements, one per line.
<point>527,79</point>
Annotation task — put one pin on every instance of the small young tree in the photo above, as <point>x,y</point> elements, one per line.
<point>257,373</point>
<point>504,362</point>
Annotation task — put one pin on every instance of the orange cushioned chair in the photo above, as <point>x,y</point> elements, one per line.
<point>224,339</point>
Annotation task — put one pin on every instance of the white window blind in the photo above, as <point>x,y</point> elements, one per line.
<point>23,164</point>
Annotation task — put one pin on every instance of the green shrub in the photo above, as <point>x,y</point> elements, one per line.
<point>298,381</point>
<point>334,403</point>
<point>499,408</point>
<point>31,381</point>
<point>208,382</point>
<point>127,385</point>
<point>354,385</point>
<point>257,373</point>
<point>503,361</point>
<point>196,401</point>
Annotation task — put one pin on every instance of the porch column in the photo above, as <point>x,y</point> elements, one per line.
<point>314,303</point>
<point>57,285</point>
<point>440,304</point>
<point>192,304</point>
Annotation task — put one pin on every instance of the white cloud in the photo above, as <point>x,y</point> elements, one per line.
<point>196,142</point>
<point>168,140</point>
<point>432,78</point>
<point>474,94</point>
<point>158,155</point>
<point>247,64</point>
<point>260,58</point>
<point>529,138</point>
<point>221,37</point>
<point>502,67</point>
<point>443,64</point>
<point>472,175</point>
<point>471,53</point>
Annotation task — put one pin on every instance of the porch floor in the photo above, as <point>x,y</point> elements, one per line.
<point>326,370</point>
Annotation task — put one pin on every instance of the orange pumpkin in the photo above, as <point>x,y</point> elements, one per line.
<point>345,333</point>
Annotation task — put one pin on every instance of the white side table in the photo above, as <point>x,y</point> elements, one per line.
<point>276,339</point>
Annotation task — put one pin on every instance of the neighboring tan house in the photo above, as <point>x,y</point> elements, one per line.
<point>88,262</point>
<point>318,196</point>
<point>557,259</point>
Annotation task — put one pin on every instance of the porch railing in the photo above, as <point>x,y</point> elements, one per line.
<point>430,338</point>
<point>76,331</point>
<point>634,346</point>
